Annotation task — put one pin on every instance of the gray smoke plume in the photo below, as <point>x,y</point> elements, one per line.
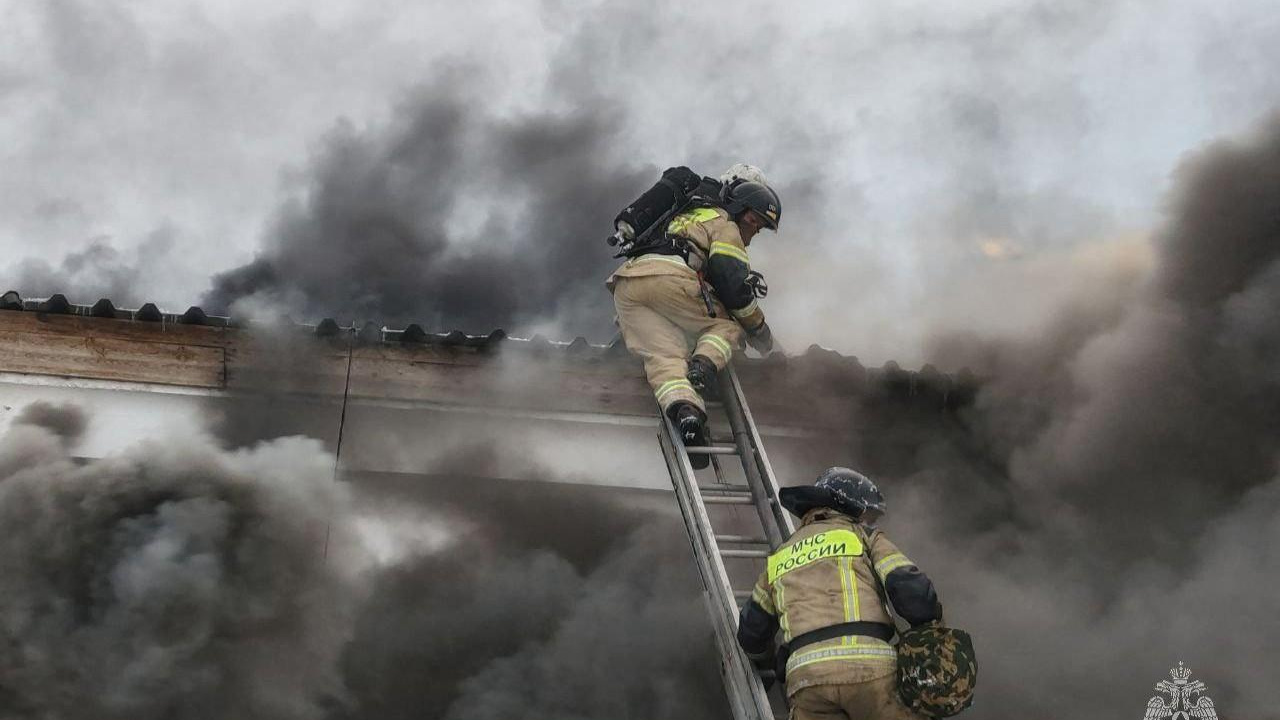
<point>179,580</point>
<point>633,642</point>
<point>481,579</point>
<point>551,600</point>
<point>171,581</point>
<point>66,422</point>
<point>1133,453</point>
<point>566,600</point>
<point>453,215</point>
<point>100,270</point>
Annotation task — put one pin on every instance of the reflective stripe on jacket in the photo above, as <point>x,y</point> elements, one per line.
<point>822,576</point>
<point>715,241</point>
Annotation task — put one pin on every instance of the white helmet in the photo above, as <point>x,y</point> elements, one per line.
<point>743,171</point>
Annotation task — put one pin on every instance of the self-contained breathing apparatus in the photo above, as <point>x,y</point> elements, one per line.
<point>641,226</point>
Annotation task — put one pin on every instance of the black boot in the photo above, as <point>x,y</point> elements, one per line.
<point>702,375</point>
<point>691,423</point>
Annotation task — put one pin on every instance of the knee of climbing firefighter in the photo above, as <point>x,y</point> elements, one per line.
<point>662,367</point>
<point>732,332</point>
<point>715,348</point>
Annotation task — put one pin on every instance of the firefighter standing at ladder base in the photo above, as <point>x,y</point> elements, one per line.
<point>826,588</point>
<point>696,288</point>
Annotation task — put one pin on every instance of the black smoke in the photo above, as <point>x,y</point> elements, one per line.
<point>182,580</point>
<point>454,216</point>
<point>1110,505</point>
<point>546,601</point>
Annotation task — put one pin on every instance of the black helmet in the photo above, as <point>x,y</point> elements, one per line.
<point>746,195</point>
<point>838,488</point>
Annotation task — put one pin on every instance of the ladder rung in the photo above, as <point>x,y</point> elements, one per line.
<point>711,450</point>
<point>746,539</point>
<point>718,489</point>
<point>721,440</point>
<point>734,499</point>
<point>744,553</point>
<point>723,487</point>
<point>742,594</point>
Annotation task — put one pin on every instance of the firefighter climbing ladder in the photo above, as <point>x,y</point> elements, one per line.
<point>743,685</point>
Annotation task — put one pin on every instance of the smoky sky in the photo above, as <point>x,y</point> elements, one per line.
<point>987,186</point>
<point>1108,506</point>
<point>937,161</point>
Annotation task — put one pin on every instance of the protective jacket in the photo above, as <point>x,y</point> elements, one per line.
<point>715,250</point>
<point>823,576</point>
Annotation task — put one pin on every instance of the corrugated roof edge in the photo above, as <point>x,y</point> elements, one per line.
<point>928,380</point>
<point>57,304</point>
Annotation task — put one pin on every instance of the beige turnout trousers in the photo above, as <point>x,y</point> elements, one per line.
<point>664,320</point>
<point>870,700</point>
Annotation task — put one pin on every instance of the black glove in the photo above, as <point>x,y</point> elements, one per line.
<point>761,339</point>
<point>765,664</point>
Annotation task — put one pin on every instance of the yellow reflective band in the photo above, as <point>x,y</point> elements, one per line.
<point>780,606</point>
<point>844,591</point>
<point>891,563</point>
<point>671,386</point>
<point>870,649</point>
<point>822,546</point>
<point>857,604</point>
<point>733,251</point>
<point>718,343</point>
<point>684,220</point>
<point>761,598</point>
<point>849,584</point>
<point>747,311</point>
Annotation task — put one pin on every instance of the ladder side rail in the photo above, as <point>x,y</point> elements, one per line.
<point>736,687</point>
<point>762,459</point>
<point>738,424</point>
<point>746,693</point>
<point>759,473</point>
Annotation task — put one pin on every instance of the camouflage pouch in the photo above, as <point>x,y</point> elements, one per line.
<point>937,670</point>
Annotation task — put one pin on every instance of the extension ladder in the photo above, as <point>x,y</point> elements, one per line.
<point>729,562</point>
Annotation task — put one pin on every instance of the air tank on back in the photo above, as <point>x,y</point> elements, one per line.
<point>657,203</point>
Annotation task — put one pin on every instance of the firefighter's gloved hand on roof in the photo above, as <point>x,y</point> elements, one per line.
<point>761,339</point>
